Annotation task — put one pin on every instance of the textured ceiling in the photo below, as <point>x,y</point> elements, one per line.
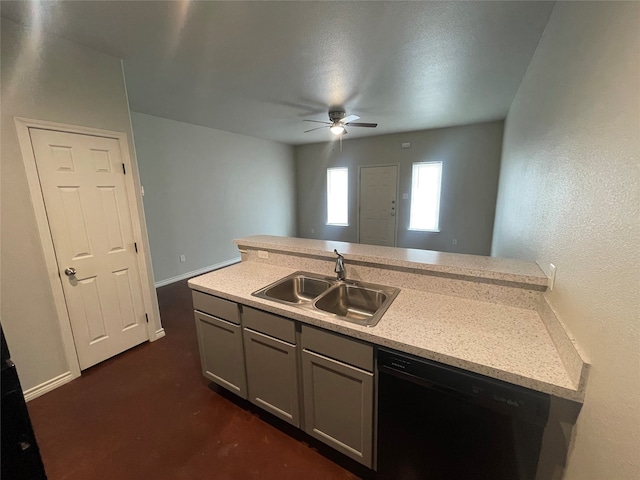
<point>260,68</point>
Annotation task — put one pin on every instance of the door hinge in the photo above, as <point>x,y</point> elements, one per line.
<point>147,317</point>
<point>124,170</point>
<point>135,245</point>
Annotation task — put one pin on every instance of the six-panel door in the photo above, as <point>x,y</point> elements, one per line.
<point>90,219</point>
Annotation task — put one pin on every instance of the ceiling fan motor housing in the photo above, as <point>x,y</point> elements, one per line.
<point>336,115</point>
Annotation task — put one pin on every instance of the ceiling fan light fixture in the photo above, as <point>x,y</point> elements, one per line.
<point>338,122</point>
<point>337,129</point>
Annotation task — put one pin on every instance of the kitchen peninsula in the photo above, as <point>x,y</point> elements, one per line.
<point>485,314</point>
<point>480,314</point>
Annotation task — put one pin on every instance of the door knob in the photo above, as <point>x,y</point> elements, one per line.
<point>70,271</point>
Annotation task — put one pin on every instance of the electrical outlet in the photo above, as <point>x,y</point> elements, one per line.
<point>454,241</point>
<point>313,230</point>
<point>552,276</point>
<point>183,258</point>
<point>263,254</point>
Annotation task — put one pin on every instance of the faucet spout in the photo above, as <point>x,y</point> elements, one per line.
<point>339,268</point>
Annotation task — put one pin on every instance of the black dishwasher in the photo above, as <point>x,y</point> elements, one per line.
<point>439,422</point>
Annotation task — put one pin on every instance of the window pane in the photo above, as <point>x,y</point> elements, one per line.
<point>425,196</point>
<point>337,196</point>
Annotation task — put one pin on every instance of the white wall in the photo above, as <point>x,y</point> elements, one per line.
<point>44,78</point>
<point>568,195</point>
<point>205,187</point>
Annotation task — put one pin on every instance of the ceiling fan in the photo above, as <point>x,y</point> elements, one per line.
<point>338,121</point>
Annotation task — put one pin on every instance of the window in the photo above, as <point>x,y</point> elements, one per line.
<point>337,198</point>
<point>425,196</point>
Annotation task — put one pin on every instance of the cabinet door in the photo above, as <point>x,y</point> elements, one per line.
<point>338,405</point>
<point>272,375</point>
<point>221,353</point>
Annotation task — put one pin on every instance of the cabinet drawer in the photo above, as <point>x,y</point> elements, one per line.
<point>217,307</point>
<point>344,349</point>
<point>263,322</point>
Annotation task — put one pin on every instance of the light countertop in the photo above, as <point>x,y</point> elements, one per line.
<point>504,269</point>
<point>503,342</point>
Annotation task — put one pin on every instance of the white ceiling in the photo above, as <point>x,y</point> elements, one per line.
<point>260,68</point>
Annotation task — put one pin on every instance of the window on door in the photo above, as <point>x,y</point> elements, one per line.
<point>426,179</point>
<point>337,196</point>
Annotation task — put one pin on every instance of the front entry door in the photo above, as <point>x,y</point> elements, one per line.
<point>378,187</point>
<point>89,216</point>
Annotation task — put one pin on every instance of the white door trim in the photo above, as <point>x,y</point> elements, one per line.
<point>395,231</point>
<point>133,191</point>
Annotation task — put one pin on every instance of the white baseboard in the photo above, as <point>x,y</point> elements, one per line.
<point>47,386</point>
<point>195,273</point>
<point>160,333</point>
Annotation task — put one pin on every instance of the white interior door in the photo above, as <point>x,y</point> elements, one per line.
<point>89,216</point>
<point>378,202</point>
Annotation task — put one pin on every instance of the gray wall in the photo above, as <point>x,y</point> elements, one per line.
<point>44,78</point>
<point>569,195</point>
<point>205,187</point>
<point>471,161</point>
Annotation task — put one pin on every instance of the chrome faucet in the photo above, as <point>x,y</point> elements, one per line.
<point>339,269</point>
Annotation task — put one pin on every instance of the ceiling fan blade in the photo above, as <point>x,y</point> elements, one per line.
<point>349,118</point>
<point>369,125</point>
<point>318,128</point>
<point>317,121</point>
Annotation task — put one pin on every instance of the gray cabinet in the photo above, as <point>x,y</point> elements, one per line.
<point>220,342</point>
<point>255,355</point>
<point>338,396</point>
<point>272,363</point>
<point>272,375</point>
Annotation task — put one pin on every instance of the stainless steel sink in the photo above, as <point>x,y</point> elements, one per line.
<point>355,303</point>
<point>297,289</point>
<point>358,302</point>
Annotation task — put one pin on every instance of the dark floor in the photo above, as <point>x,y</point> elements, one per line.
<point>149,414</point>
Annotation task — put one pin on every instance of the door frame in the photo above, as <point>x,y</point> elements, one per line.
<point>395,227</point>
<point>46,240</point>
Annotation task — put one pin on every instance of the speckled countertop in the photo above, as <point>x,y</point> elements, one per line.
<point>499,341</point>
<point>504,269</point>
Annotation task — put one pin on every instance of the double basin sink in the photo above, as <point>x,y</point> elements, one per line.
<point>358,302</point>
